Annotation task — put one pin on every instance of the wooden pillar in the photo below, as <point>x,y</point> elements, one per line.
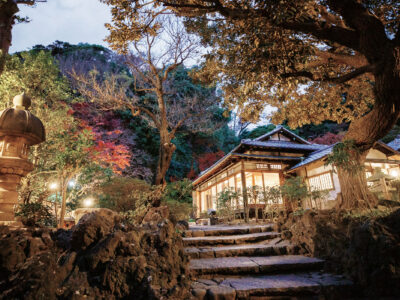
<point>265,192</point>
<point>384,188</point>
<point>286,204</point>
<point>198,197</point>
<point>245,199</point>
<point>195,201</point>
<point>235,180</point>
<point>263,181</point>
<point>236,190</point>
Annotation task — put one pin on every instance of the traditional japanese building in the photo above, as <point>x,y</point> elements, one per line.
<point>267,160</point>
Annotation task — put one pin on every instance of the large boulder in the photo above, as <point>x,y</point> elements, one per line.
<point>100,258</point>
<point>80,212</point>
<point>92,227</point>
<point>156,215</point>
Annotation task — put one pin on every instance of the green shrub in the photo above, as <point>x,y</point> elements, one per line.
<point>178,197</point>
<point>365,215</point>
<point>179,211</point>
<point>254,194</point>
<point>180,191</point>
<point>226,201</point>
<point>32,214</point>
<point>295,191</point>
<point>123,194</point>
<point>132,198</point>
<point>346,155</point>
<point>317,197</point>
<point>272,196</point>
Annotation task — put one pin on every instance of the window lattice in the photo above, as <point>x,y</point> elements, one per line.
<point>321,182</point>
<point>276,167</point>
<point>262,166</point>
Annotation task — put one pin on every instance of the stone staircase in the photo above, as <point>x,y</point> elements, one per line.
<point>253,262</point>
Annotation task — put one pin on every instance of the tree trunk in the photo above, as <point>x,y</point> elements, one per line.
<point>64,186</point>
<point>166,150</point>
<point>372,127</point>
<point>354,191</point>
<point>164,160</point>
<point>55,209</point>
<point>8,9</point>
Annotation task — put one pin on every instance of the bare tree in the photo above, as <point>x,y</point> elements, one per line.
<point>154,59</point>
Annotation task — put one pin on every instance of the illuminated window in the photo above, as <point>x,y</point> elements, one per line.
<point>321,182</point>
<point>231,183</point>
<point>262,166</point>
<point>219,188</point>
<point>271,179</point>
<point>268,166</point>
<point>278,167</point>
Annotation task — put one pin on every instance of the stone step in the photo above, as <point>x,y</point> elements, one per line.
<point>229,239</point>
<point>209,267</point>
<point>239,250</point>
<point>200,231</point>
<point>310,285</point>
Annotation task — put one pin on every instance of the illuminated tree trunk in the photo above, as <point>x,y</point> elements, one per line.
<point>372,127</point>
<point>354,190</point>
<point>166,151</point>
<point>64,185</point>
<point>64,180</point>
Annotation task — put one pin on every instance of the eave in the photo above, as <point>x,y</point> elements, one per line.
<point>229,159</point>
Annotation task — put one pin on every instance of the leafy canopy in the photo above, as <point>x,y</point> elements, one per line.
<point>311,59</point>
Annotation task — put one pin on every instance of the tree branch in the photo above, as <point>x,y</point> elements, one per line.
<point>355,61</point>
<point>340,79</point>
<point>135,108</point>
<point>177,126</point>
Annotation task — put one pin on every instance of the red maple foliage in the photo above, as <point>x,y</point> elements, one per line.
<point>328,138</point>
<point>192,174</point>
<point>110,154</point>
<point>110,149</point>
<point>208,159</point>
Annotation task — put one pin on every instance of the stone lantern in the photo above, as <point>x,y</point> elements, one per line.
<point>19,129</point>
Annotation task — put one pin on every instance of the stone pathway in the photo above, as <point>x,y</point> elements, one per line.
<point>252,262</point>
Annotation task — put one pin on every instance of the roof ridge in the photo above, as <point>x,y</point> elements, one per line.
<point>280,127</point>
<point>327,146</point>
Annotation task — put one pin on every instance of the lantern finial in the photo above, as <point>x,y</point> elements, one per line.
<point>22,101</point>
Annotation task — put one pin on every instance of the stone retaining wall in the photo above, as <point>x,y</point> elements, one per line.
<point>366,249</point>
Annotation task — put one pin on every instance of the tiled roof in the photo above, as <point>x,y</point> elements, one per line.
<point>268,144</point>
<point>395,144</point>
<point>271,157</point>
<point>281,128</point>
<point>314,156</point>
<point>283,145</point>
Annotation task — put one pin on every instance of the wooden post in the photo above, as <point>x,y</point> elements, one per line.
<point>385,189</point>
<point>286,203</point>
<point>245,199</point>
<point>198,202</point>
<point>264,196</point>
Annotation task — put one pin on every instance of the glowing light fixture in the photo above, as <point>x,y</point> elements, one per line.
<point>71,183</point>
<point>88,202</point>
<point>53,186</point>
<point>394,173</point>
